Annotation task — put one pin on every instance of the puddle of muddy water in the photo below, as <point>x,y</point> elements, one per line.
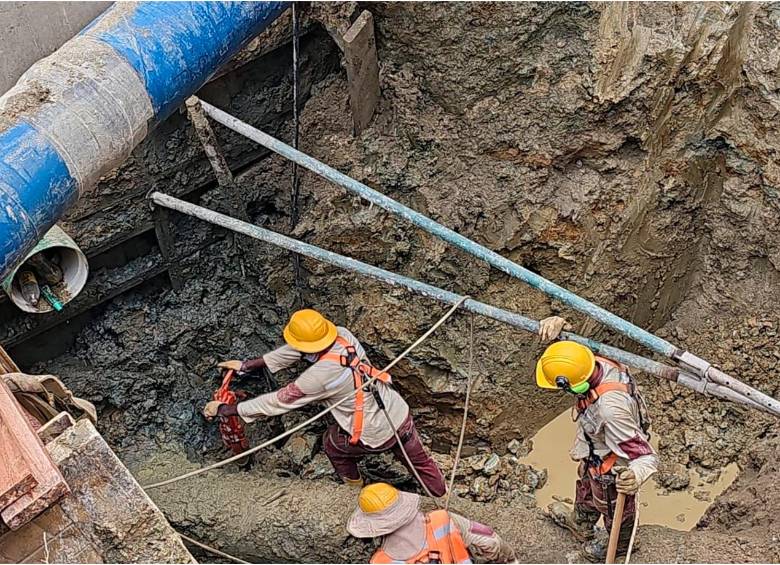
<point>679,510</point>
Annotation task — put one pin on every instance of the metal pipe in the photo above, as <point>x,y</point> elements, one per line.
<point>509,267</point>
<point>646,365</point>
<point>78,113</point>
<point>696,365</point>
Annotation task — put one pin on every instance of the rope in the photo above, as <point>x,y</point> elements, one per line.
<point>213,550</point>
<point>408,459</point>
<point>317,416</point>
<point>469,382</point>
<point>296,181</point>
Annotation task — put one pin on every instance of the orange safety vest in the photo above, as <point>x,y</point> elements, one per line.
<point>443,543</point>
<point>592,396</point>
<point>360,370</point>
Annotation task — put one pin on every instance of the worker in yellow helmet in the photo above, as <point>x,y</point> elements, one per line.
<point>612,439</point>
<point>411,536</point>
<point>338,367</point>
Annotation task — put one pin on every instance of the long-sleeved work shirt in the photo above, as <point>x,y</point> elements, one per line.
<point>483,543</point>
<point>613,425</point>
<point>328,382</point>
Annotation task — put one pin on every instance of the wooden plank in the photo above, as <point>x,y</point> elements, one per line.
<point>7,364</point>
<point>16,479</point>
<point>167,245</point>
<point>50,485</point>
<point>362,65</point>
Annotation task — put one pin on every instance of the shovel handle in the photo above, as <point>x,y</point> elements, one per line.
<point>614,534</point>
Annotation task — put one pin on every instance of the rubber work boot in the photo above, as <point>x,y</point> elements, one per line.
<point>579,521</point>
<point>357,483</point>
<point>595,550</point>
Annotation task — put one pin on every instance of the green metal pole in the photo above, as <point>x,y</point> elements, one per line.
<point>646,365</point>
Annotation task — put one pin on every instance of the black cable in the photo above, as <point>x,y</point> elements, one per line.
<point>296,182</point>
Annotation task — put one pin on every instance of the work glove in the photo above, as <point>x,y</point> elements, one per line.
<point>234,364</point>
<point>625,481</point>
<point>212,409</point>
<point>550,328</point>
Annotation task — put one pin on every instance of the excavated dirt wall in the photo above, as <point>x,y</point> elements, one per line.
<point>625,151</point>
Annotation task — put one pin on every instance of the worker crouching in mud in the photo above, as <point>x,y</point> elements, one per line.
<point>611,443</point>
<point>410,536</point>
<point>338,367</point>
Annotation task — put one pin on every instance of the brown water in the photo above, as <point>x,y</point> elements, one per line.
<point>679,510</point>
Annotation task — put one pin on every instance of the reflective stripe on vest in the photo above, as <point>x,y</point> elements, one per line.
<point>359,370</point>
<point>443,543</point>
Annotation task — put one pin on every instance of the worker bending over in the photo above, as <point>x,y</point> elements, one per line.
<point>410,536</point>
<point>338,366</point>
<point>611,443</point>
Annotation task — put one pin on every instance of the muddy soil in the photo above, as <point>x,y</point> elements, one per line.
<point>624,151</point>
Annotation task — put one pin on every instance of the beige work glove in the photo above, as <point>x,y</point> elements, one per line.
<point>212,409</point>
<point>625,481</point>
<point>550,328</point>
<point>234,364</point>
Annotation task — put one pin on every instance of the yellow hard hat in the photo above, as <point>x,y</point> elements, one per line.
<point>377,497</point>
<point>309,331</point>
<point>565,359</point>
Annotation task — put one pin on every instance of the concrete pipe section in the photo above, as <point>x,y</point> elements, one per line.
<point>51,275</point>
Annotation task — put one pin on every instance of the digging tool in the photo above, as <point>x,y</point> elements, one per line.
<point>685,359</point>
<point>232,428</point>
<point>614,534</point>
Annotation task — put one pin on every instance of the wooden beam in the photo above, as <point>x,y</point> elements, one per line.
<point>228,198</point>
<point>7,364</point>
<point>162,229</point>
<point>16,479</point>
<point>50,487</point>
<point>360,57</point>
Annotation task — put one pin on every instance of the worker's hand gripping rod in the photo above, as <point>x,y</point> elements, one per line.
<point>646,365</point>
<point>689,361</point>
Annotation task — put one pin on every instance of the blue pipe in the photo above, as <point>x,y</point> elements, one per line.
<point>78,113</point>
<point>598,313</point>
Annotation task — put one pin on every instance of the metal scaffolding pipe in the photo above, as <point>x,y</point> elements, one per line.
<point>491,257</point>
<point>516,320</point>
<point>699,367</point>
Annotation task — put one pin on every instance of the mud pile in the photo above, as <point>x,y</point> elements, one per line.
<point>624,151</point>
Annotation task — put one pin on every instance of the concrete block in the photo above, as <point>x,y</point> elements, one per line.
<point>108,506</point>
<point>55,427</point>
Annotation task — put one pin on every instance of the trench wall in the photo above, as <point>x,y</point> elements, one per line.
<point>622,150</point>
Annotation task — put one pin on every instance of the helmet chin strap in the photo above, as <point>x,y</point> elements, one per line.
<point>563,384</point>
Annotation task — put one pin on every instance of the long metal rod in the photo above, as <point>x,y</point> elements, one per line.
<point>687,360</point>
<point>511,268</point>
<point>516,320</point>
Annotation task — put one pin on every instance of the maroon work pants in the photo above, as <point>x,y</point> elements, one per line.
<point>344,456</point>
<point>596,496</point>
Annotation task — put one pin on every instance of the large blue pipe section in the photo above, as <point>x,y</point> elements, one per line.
<point>78,113</point>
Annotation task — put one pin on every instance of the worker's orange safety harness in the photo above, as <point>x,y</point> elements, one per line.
<point>360,371</point>
<point>601,466</point>
<point>443,543</point>
<point>231,428</point>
